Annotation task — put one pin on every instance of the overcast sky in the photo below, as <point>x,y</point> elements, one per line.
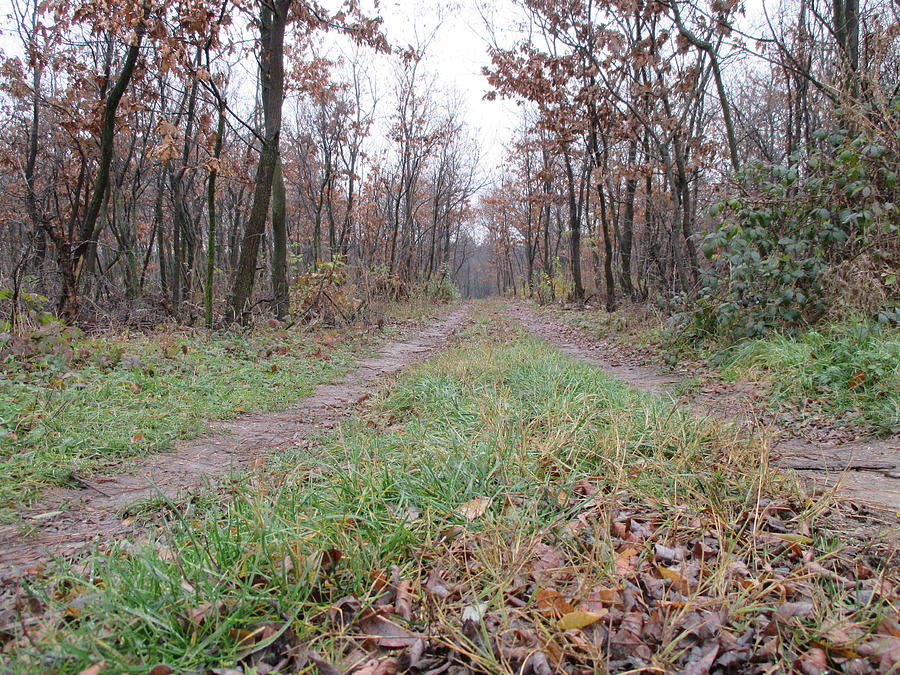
<point>456,54</point>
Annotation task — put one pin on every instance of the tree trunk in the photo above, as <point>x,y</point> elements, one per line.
<point>74,255</point>
<point>211,215</point>
<point>273,19</point>
<point>628,222</point>
<point>279,244</point>
<point>574,231</point>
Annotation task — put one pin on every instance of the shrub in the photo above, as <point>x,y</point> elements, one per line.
<point>784,245</point>
<point>323,294</point>
<point>442,288</point>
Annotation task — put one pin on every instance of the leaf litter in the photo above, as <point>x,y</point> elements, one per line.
<point>614,578</point>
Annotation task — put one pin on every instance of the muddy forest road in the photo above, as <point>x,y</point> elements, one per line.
<point>66,521</point>
<point>866,471</point>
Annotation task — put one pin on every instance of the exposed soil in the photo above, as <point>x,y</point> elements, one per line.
<point>867,471</point>
<point>65,521</point>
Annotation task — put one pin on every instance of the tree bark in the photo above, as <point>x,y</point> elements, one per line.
<point>574,231</point>
<point>211,216</point>
<point>279,244</point>
<point>273,20</point>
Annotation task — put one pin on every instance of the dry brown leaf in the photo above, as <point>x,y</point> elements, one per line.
<point>886,650</point>
<point>856,380</point>
<point>196,616</point>
<point>627,641</point>
<point>702,665</point>
<point>435,585</point>
<point>790,610</point>
<point>474,508</point>
<point>814,662</point>
<point>386,666</point>
<point>625,562</point>
<point>538,664</point>
<point>549,561</point>
<point>323,666</point>
<point>386,633</point>
<point>890,626</point>
<point>551,603</point>
<point>403,601</point>
<point>679,581</point>
<point>96,669</point>
<point>668,555</point>
<point>791,538</point>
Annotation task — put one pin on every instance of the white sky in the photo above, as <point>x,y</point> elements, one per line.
<point>455,55</point>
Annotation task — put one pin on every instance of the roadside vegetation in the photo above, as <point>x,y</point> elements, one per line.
<point>503,508</point>
<point>845,372</point>
<point>72,403</point>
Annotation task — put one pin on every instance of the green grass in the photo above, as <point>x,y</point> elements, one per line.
<point>123,396</point>
<point>845,370</point>
<point>495,456</point>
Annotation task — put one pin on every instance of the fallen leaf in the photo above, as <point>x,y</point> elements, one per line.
<point>625,563</point>
<point>627,641</point>
<point>890,626</point>
<point>435,585</point>
<point>668,555</point>
<point>792,538</point>
<point>386,633</point>
<point>551,603</point>
<point>474,613</point>
<point>196,616</point>
<point>403,601</point>
<point>814,662</point>
<point>681,582</point>
<point>579,619</point>
<point>538,664</point>
<point>161,669</point>
<point>322,665</point>
<point>790,610</point>
<point>386,666</point>
<point>857,380</point>
<point>474,508</point>
<point>330,558</point>
<point>702,665</point>
<point>96,669</point>
<point>549,561</point>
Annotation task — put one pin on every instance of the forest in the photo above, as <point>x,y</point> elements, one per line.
<point>517,336</point>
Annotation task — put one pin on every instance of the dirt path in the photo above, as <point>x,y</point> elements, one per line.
<point>67,520</point>
<point>867,471</point>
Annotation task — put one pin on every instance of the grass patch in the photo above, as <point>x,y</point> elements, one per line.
<point>89,404</point>
<point>637,326</point>
<point>502,509</point>
<point>846,370</point>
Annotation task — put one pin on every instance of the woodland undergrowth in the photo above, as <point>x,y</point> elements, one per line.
<point>73,404</point>
<point>500,509</point>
